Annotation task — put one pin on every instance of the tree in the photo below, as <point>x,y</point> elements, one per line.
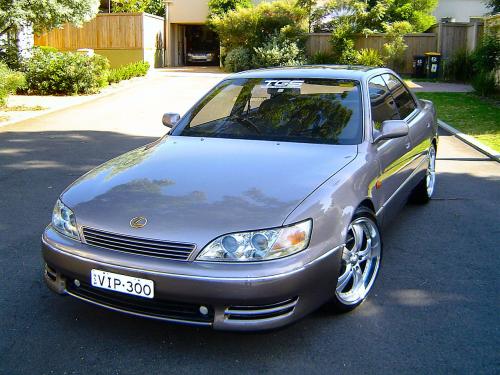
<point>418,13</point>
<point>44,15</point>
<point>156,7</point>
<point>221,7</point>
<point>494,5</point>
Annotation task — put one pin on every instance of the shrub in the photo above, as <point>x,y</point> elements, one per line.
<point>65,73</point>
<point>484,83</point>
<point>238,59</point>
<point>368,57</point>
<point>322,57</point>
<point>277,52</point>
<point>486,57</point>
<point>459,67</point>
<point>251,27</point>
<point>486,63</point>
<point>10,81</point>
<point>136,69</point>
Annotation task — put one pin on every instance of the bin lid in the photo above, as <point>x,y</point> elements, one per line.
<point>432,54</point>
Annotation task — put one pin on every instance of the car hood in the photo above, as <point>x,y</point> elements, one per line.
<point>195,189</point>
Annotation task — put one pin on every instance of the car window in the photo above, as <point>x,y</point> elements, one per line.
<point>309,110</point>
<point>217,108</point>
<point>382,102</point>
<point>402,97</point>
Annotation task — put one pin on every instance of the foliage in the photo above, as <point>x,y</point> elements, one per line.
<point>486,57</point>
<point>486,63</point>
<point>238,59</point>
<point>484,83</point>
<point>136,69</point>
<point>252,27</point>
<point>64,73</point>
<point>278,52</point>
<point>494,5</point>
<point>221,7</point>
<point>322,57</point>
<point>10,81</point>
<point>418,13</point>
<point>459,67</point>
<point>44,15</point>
<point>156,7</point>
<point>368,57</point>
<point>129,6</point>
<point>457,109</point>
<point>394,49</point>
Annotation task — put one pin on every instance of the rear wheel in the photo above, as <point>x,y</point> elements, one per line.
<point>361,257</point>
<point>425,188</point>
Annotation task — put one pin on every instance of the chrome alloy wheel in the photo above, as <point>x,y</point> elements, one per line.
<point>360,261</point>
<point>430,178</point>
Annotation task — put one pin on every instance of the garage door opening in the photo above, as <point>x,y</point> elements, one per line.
<point>201,46</point>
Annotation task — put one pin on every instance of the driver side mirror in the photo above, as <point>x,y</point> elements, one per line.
<point>170,119</point>
<point>391,129</point>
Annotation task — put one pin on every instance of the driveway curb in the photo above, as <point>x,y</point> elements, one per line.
<point>471,141</point>
<point>107,91</point>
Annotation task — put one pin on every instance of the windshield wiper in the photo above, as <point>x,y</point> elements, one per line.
<point>246,122</point>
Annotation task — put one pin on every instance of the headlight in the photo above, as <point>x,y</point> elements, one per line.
<point>259,245</point>
<point>64,221</point>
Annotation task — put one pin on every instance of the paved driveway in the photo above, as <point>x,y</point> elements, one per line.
<point>435,307</point>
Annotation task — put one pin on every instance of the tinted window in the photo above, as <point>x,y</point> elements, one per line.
<point>293,110</point>
<point>402,97</point>
<point>382,102</point>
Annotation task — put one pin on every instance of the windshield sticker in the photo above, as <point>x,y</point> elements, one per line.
<point>282,84</point>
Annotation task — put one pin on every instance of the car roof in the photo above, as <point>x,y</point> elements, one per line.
<point>356,72</point>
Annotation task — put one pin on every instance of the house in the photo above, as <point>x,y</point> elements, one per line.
<point>186,30</point>
<point>459,10</point>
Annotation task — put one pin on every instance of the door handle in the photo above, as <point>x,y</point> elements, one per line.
<point>428,124</point>
<point>408,145</point>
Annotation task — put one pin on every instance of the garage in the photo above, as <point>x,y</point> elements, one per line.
<point>201,46</point>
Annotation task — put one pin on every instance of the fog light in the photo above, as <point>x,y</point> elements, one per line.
<point>203,310</point>
<point>77,282</point>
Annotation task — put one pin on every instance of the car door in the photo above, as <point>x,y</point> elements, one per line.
<point>392,154</point>
<point>419,122</point>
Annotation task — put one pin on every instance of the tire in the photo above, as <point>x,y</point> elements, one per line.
<point>360,259</point>
<point>423,191</point>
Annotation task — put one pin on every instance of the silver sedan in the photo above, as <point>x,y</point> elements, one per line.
<point>263,202</point>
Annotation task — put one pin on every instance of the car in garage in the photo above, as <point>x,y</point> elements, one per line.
<point>263,202</point>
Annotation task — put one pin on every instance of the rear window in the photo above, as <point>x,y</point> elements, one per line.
<point>289,110</point>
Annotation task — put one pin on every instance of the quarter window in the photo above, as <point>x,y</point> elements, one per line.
<point>402,97</point>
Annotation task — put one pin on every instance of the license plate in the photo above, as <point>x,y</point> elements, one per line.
<point>123,284</point>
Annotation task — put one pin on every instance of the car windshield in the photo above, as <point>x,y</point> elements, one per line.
<point>290,110</point>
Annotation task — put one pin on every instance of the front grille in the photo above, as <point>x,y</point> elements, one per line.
<point>279,309</point>
<point>137,245</point>
<point>155,308</point>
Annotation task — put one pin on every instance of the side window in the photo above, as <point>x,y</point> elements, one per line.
<point>402,97</point>
<point>382,103</point>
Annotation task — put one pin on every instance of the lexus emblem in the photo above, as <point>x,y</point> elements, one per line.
<point>138,222</point>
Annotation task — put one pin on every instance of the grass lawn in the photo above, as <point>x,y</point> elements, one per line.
<point>468,113</point>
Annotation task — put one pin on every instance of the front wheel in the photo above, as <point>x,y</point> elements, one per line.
<point>361,258</point>
<point>425,188</point>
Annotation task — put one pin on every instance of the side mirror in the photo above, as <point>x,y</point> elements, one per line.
<point>391,129</point>
<point>170,119</point>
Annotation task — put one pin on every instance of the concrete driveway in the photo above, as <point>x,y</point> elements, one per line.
<point>433,310</point>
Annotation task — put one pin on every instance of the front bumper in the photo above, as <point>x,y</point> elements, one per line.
<point>260,300</point>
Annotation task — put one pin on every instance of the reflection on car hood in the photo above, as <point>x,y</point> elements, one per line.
<point>192,189</point>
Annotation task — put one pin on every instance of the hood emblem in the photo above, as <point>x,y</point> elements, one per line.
<point>138,222</point>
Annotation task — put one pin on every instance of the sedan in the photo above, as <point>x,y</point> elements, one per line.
<point>265,201</point>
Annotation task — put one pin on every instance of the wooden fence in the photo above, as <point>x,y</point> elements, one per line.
<point>418,44</point>
<point>122,37</point>
<point>456,36</point>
